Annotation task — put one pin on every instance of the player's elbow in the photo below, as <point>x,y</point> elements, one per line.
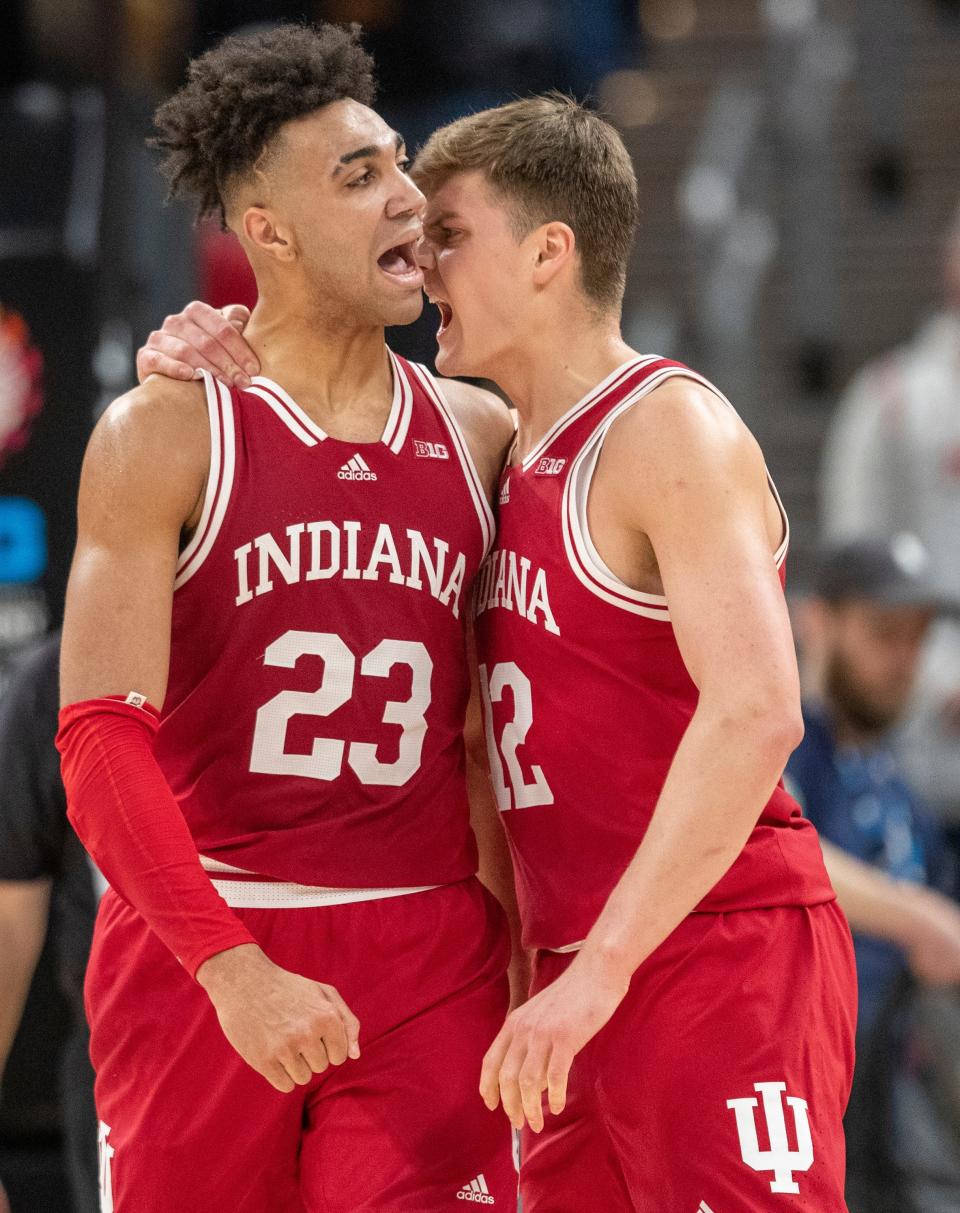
<point>776,724</point>
<point>769,720</point>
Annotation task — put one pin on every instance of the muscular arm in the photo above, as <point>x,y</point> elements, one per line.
<point>684,475</point>
<point>141,483</point>
<point>703,507</point>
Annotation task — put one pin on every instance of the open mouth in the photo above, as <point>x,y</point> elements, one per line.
<point>400,264</point>
<point>446,313</point>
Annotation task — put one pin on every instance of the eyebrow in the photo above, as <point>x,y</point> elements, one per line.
<point>364,153</point>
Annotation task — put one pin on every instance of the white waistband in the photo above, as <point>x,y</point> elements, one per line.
<point>286,895</point>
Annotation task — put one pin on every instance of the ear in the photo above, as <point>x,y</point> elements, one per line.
<point>554,247</point>
<point>266,233</point>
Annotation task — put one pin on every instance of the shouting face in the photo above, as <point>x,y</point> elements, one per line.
<point>477,273</point>
<point>337,198</point>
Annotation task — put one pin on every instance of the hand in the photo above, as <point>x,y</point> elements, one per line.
<point>285,1026</point>
<point>200,338</point>
<point>931,935</point>
<point>536,1046</point>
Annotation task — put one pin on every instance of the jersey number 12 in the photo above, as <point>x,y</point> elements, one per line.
<point>502,750</point>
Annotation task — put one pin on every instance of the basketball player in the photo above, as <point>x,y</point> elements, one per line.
<point>263,662</point>
<point>691,1018</point>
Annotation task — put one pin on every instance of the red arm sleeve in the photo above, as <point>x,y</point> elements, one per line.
<point>125,814</point>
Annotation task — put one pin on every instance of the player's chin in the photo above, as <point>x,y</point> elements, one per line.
<point>450,359</point>
<point>403,309</point>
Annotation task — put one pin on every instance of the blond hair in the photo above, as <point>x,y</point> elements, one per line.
<point>549,159</point>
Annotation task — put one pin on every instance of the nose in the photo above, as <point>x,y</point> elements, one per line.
<point>407,199</point>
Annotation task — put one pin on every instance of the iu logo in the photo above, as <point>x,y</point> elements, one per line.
<point>106,1152</point>
<point>779,1159</point>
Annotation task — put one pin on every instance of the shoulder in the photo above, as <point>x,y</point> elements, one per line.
<point>154,409</point>
<point>682,429</point>
<point>159,429</point>
<point>479,411</point>
<point>487,425</point>
<point>149,454</point>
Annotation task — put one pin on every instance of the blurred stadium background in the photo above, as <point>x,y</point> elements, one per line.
<point>799,164</point>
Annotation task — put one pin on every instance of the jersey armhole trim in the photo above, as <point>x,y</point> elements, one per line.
<point>219,479</point>
<point>471,475</point>
<point>582,555</point>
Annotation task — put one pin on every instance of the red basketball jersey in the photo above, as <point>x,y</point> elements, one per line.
<point>312,728</point>
<point>586,696</point>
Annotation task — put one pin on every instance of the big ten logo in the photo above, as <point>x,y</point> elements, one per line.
<point>550,467</point>
<point>430,450</point>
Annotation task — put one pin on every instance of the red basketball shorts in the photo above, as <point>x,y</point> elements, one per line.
<point>187,1126</point>
<point>719,1085</point>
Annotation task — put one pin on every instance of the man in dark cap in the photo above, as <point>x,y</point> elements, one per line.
<point>862,631</point>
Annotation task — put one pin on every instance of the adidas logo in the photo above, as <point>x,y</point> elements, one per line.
<point>505,492</point>
<point>704,1207</point>
<point>356,469</point>
<point>477,1192</point>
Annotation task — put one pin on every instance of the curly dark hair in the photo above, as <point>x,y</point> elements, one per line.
<point>241,92</point>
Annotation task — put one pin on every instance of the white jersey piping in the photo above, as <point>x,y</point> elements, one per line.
<point>613,380</point>
<point>219,479</point>
<point>471,475</point>
<point>287,409</point>
<point>395,431</point>
<point>299,422</point>
<point>582,555</point>
<point>288,895</point>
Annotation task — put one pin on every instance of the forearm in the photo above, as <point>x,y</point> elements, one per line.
<point>128,819</point>
<point>722,776</point>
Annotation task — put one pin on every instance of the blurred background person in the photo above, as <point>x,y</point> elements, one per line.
<point>44,874</point>
<point>862,631</point>
<point>892,462</point>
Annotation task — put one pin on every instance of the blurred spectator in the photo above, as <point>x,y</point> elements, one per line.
<point>862,632</point>
<point>43,871</point>
<point>892,463</point>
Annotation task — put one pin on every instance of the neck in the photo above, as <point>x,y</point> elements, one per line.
<point>562,359</point>
<point>327,363</point>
